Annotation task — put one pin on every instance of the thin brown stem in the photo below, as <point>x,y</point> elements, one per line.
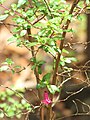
<point>48,8</point>
<point>30,38</point>
<point>65,27</point>
<point>54,80</point>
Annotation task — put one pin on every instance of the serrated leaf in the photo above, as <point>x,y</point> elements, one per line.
<point>21,2</point>
<point>53,88</point>
<point>3,17</point>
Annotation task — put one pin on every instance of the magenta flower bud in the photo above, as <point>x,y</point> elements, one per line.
<point>46,100</point>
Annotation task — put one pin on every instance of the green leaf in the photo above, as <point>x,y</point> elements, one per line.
<point>67,60</point>
<point>11,39</point>
<point>41,85</point>
<point>53,88</point>
<point>39,70</point>
<point>4,68</point>
<point>51,50</point>
<point>9,61</point>
<point>46,77</point>
<point>62,63</point>
<point>32,44</point>
<point>33,67</point>
<point>23,32</point>
<point>65,51</point>
<point>9,92</point>
<point>39,64</point>
<point>33,59</point>
<point>3,17</point>
<point>38,86</point>
<point>17,66</point>
<point>73,59</point>
<point>13,71</point>
<point>14,7</point>
<point>23,101</point>
<point>21,2</point>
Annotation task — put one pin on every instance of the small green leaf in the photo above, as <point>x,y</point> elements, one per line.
<point>23,32</point>
<point>62,63</point>
<point>67,60</point>
<point>39,70</point>
<point>11,39</point>
<point>23,101</point>
<point>33,59</point>
<point>9,61</point>
<point>3,17</point>
<point>9,92</point>
<point>51,50</point>
<point>40,63</point>
<point>14,7</point>
<point>21,2</point>
<point>33,67</point>
<point>32,44</point>
<point>53,88</point>
<point>46,77</point>
<point>41,85</point>
<point>13,71</point>
<point>17,66</point>
<point>4,68</point>
<point>65,51</point>
<point>73,59</point>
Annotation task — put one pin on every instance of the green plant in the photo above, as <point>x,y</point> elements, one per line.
<point>52,19</point>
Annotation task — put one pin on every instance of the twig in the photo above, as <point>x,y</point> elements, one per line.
<point>73,115</point>
<point>48,8</point>
<point>10,24</point>
<point>75,106</point>
<point>74,93</point>
<point>30,39</point>
<point>38,19</point>
<point>83,103</point>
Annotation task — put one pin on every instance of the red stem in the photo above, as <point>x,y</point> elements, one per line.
<point>9,9</point>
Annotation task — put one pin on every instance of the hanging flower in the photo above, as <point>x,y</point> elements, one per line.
<point>46,100</point>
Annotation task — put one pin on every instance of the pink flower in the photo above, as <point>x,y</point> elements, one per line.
<point>46,100</point>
